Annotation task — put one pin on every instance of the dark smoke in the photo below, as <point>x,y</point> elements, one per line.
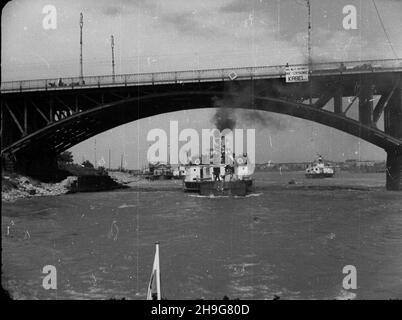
<point>261,119</point>
<point>224,118</point>
<point>236,107</point>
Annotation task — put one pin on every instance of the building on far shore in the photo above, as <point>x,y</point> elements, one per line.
<point>289,166</point>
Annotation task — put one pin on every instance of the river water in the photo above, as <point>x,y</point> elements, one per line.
<point>290,240</point>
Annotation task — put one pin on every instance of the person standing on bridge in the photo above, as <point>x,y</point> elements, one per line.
<point>60,83</point>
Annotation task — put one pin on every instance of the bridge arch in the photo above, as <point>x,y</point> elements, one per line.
<point>63,134</point>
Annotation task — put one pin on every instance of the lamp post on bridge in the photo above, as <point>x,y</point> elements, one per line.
<point>309,48</point>
<point>81,67</point>
<point>112,45</point>
<point>310,62</point>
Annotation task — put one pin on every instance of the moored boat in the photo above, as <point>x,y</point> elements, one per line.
<point>159,171</point>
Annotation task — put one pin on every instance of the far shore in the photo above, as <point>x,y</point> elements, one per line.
<point>16,186</point>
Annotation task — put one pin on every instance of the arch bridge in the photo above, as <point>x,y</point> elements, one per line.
<point>42,118</point>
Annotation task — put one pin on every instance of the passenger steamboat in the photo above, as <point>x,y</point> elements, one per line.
<point>319,169</point>
<point>226,175</point>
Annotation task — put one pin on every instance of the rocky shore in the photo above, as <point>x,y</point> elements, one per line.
<point>15,186</point>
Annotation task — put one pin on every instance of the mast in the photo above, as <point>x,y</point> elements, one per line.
<point>158,273</point>
<point>109,158</point>
<point>95,154</point>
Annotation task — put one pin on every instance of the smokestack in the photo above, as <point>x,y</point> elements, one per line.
<point>211,155</point>
<point>223,147</point>
<point>217,150</point>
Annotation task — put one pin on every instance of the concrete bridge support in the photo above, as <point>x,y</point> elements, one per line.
<point>38,165</point>
<point>366,102</point>
<point>394,172</point>
<point>393,126</point>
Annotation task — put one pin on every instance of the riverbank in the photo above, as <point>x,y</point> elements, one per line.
<point>16,186</point>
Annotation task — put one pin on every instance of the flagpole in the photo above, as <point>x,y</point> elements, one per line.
<point>155,277</point>
<point>158,273</point>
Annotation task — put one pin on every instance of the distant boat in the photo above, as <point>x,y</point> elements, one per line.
<point>319,169</point>
<point>159,171</point>
<point>179,173</point>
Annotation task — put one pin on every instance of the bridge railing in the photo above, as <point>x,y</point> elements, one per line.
<point>196,75</point>
<point>359,66</point>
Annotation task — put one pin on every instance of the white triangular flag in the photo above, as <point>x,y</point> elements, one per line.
<point>154,287</point>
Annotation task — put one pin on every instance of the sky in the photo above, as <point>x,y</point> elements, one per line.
<point>167,35</point>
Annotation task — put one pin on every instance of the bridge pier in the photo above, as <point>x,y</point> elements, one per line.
<point>38,165</point>
<point>394,172</point>
<point>366,102</point>
<point>43,166</point>
<point>338,96</point>
<point>393,126</point>
<point>8,162</point>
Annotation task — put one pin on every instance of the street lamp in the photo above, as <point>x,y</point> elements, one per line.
<point>81,67</point>
<point>310,59</point>
<point>112,45</point>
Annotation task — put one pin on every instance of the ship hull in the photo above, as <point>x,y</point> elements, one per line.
<point>319,175</point>
<point>159,177</point>
<point>220,188</point>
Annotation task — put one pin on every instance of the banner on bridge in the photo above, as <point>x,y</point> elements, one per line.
<point>296,74</point>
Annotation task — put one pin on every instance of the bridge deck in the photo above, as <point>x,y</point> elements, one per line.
<point>191,76</point>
